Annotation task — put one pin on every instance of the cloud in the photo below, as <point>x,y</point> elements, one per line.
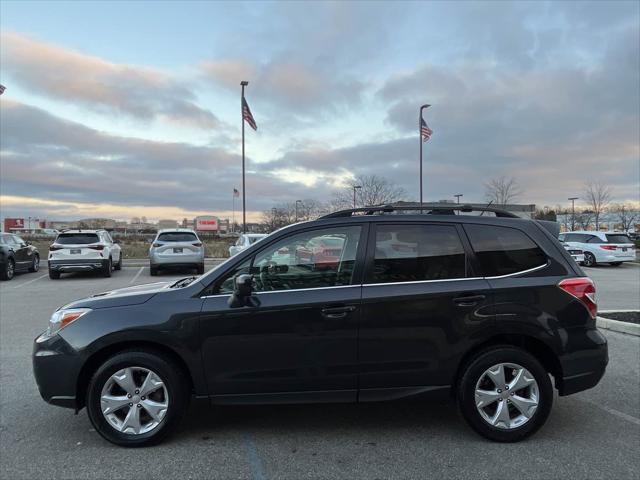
<point>66,75</point>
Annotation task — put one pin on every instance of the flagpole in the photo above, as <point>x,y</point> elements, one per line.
<point>243,83</point>
<point>233,211</point>
<point>421,142</point>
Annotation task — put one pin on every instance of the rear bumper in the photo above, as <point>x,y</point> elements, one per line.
<point>584,368</point>
<point>81,265</point>
<point>616,258</point>
<point>176,260</point>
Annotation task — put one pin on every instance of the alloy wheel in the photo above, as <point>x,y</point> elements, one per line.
<point>10,270</point>
<point>507,396</point>
<point>36,263</point>
<point>134,400</point>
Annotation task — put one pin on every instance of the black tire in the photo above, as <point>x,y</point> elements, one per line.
<point>589,259</point>
<point>170,374</point>
<point>153,271</point>
<point>108,267</point>
<point>118,266</point>
<point>615,264</point>
<point>9,270</point>
<point>35,266</point>
<point>200,269</point>
<point>472,373</point>
<point>54,275</point>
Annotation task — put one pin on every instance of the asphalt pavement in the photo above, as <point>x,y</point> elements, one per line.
<point>593,434</point>
<point>617,288</point>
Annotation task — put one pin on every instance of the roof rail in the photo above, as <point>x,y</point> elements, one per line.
<point>427,208</point>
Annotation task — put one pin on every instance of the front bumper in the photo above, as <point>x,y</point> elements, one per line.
<point>585,365</point>
<point>56,367</point>
<point>81,265</point>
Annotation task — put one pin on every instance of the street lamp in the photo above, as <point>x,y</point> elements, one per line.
<point>355,187</point>
<point>297,202</point>
<point>458,195</point>
<point>573,212</point>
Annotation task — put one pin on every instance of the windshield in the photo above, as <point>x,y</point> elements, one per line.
<point>618,238</point>
<point>253,240</point>
<point>177,237</point>
<point>77,238</point>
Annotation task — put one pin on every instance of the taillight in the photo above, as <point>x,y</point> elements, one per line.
<point>608,247</point>
<point>96,247</point>
<point>53,248</point>
<point>584,290</point>
<point>197,244</point>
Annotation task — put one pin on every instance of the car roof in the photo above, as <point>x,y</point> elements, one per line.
<point>176,230</point>
<point>82,230</point>
<point>591,232</point>
<point>255,234</point>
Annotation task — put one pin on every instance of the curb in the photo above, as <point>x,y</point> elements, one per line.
<point>618,326</point>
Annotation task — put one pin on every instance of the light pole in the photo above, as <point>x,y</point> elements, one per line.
<point>458,195</point>
<point>355,187</point>
<point>573,212</point>
<point>297,202</point>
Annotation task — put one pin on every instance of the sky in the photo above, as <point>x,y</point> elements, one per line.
<point>122,109</point>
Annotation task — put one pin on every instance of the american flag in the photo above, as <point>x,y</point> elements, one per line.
<point>2,89</point>
<point>425,131</point>
<point>246,115</point>
<point>236,193</point>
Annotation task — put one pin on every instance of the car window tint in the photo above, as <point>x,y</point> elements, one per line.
<point>503,250</point>
<point>618,238</point>
<point>177,237</point>
<point>304,261</point>
<point>593,239</point>
<point>77,238</point>
<point>406,253</point>
<point>253,240</point>
<point>225,284</point>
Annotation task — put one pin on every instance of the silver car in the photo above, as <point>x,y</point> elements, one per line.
<point>176,248</point>
<point>245,241</point>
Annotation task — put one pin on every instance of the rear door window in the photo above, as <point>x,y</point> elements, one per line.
<point>504,250</point>
<point>409,253</point>
<point>77,238</point>
<point>617,238</point>
<point>177,237</point>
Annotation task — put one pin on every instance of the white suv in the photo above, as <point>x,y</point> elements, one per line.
<point>84,250</point>
<point>176,248</point>
<point>601,247</point>
<point>245,241</point>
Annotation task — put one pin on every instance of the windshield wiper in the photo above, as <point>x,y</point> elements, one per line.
<point>183,282</point>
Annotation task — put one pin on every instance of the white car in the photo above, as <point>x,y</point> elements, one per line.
<point>575,252</point>
<point>84,250</point>
<point>245,241</point>
<point>176,248</point>
<point>601,247</point>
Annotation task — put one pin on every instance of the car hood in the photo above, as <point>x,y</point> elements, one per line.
<point>121,297</point>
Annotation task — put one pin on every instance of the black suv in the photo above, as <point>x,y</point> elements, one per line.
<point>358,306</point>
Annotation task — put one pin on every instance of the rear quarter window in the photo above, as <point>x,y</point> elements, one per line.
<point>504,250</point>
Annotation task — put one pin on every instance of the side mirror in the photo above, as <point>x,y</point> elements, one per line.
<point>242,292</point>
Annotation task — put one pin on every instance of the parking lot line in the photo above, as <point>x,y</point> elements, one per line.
<point>137,275</point>
<point>257,472</point>
<point>31,281</point>
<point>617,413</point>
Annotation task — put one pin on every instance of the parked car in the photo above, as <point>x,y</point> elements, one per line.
<point>16,255</point>
<point>601,247</point>
<point>486,309</point>
<point>176,248</point>
<point>576,253</point>
<point>245,241</point>
<point>321,252</point>
<point>82,251</point>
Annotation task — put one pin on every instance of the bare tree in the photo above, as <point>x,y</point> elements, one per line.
<point>584,219</point>
<point>287,213</point>
<point>373,190</point>
<point>598,196</point>
<point>625,214</point>
<point>502,190</point>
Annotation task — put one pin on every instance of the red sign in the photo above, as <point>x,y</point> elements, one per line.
<point>207,224</point>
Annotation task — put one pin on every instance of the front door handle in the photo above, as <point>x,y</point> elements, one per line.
<point>470,301</point>
<point>337,312</point>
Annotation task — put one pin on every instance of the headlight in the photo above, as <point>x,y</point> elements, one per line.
<point>62,318</point>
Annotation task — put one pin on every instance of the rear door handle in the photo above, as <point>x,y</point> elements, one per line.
<point>337,312</point>
<point>470,301</point>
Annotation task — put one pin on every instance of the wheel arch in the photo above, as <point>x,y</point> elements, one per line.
<point>100,356</point>
<point>540,350</point>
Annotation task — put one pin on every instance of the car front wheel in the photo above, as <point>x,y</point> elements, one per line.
<point>136,398</point>
<point>9,270</point>
<point>505,394</point>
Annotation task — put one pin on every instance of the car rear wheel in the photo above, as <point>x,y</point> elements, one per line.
<point>9,270</point>
<point>153,271</point>
<point>589,259</point>
<point>505,394</point>
<point>54,275</point>
<point>108,267</point>
<point>200,269</point>
<point>35,266</point>
<point>136,398</point>
<point>118,266</point>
